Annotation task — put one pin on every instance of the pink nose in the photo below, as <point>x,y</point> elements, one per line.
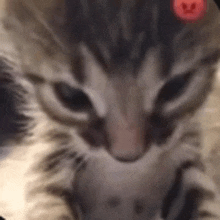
<point>127,143</point>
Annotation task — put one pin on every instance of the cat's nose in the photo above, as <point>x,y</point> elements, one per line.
<point>126,136</point>
<point>127,143</point>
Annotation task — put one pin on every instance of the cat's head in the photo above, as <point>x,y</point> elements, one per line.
<point>123,73</point>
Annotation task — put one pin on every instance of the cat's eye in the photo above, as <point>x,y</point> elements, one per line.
<point>72,98</point>
<point>174,87</point>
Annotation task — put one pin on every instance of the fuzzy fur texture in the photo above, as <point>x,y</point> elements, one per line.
<point>59,149</point>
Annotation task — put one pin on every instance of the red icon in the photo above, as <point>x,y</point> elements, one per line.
<point>189,10</point>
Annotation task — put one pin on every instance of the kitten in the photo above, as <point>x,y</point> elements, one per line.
<point>110,92</point>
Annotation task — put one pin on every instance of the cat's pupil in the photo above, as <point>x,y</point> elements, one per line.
<point>71,97</point>
<point>174,87</point>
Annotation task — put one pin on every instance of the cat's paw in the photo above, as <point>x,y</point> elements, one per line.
<point>185,154</point>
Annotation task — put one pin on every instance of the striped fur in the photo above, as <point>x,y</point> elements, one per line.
<point>108,95</point>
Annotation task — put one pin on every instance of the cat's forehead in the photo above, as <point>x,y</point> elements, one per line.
<point>119,36</point>
<point>120,32</point>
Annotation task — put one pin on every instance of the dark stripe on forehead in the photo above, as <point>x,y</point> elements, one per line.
<point>168,24</point>
<point>118,28</point>
<point>118,24</point>
<point>124,26</point>
<point>77,66</point>
<point>167,27</point>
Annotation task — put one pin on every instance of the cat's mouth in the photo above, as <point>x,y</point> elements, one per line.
<point>125,156</point>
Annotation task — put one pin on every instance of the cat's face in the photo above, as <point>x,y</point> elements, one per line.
<point>130,69</point>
